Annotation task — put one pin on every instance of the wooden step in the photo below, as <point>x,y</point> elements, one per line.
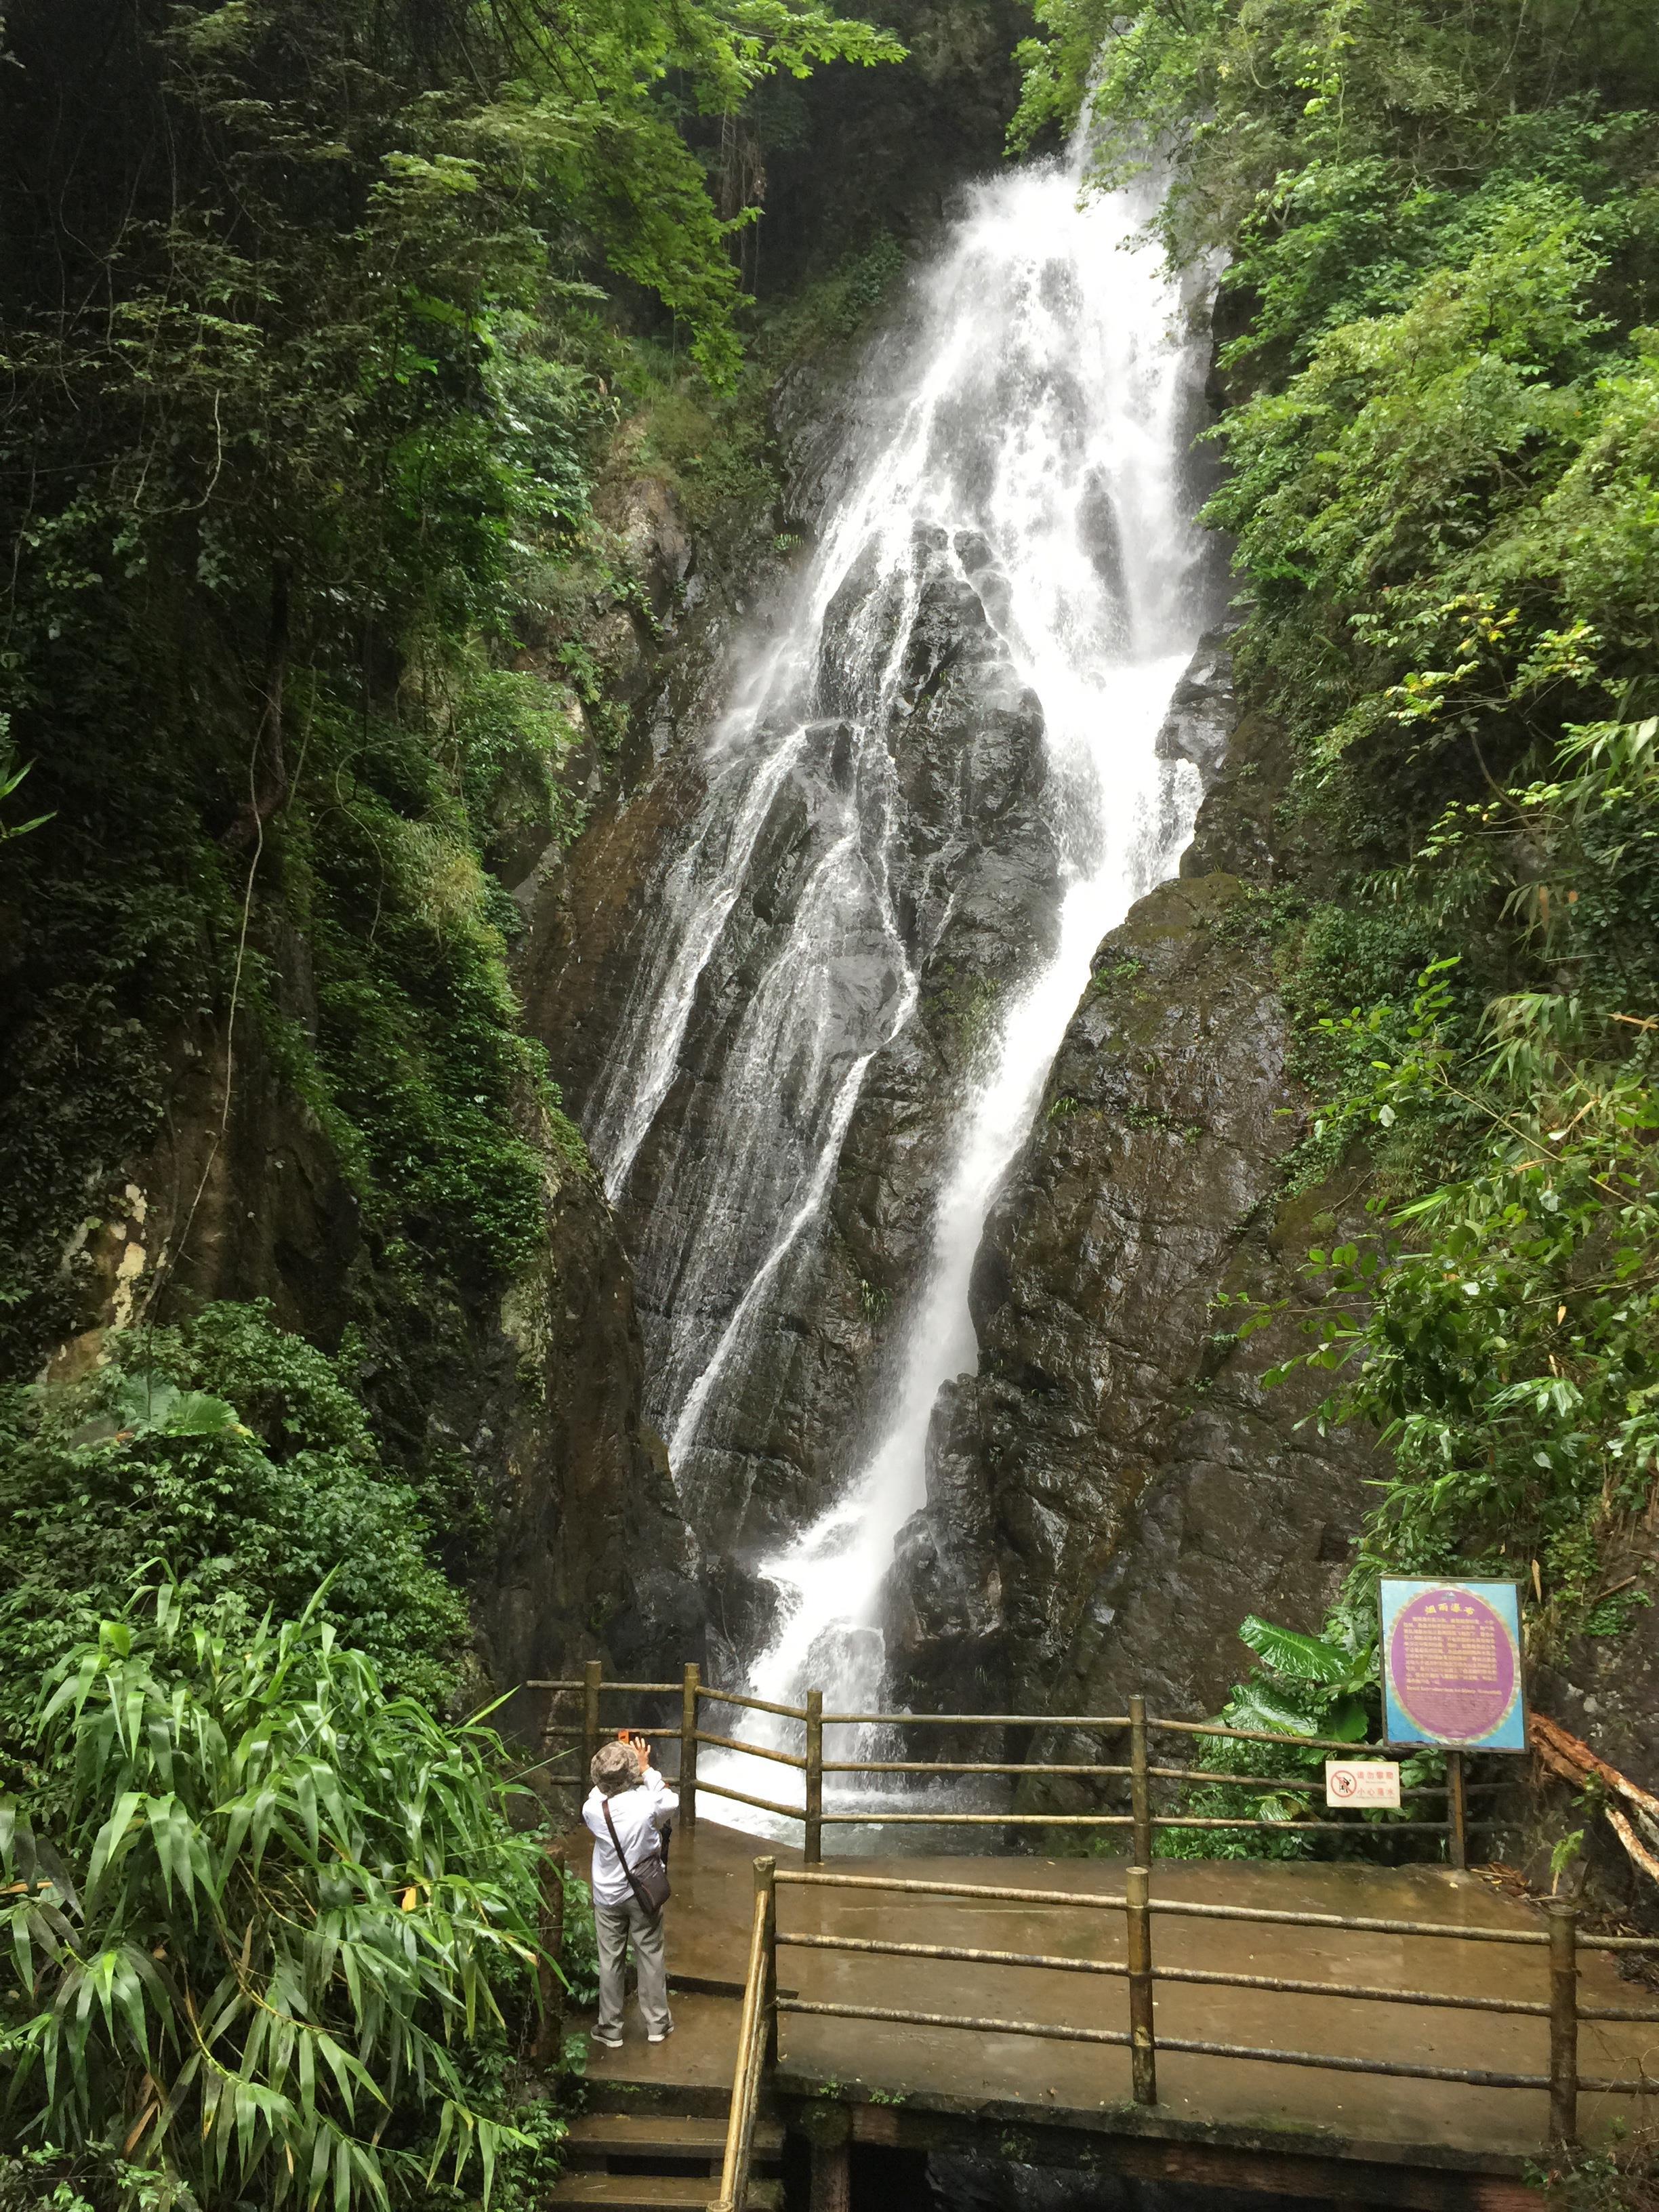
<point>648,2135</point>
<point>708,1985</point>
<point>683,2099</point>
<point>714,1985</point>
<point>652,2192</point>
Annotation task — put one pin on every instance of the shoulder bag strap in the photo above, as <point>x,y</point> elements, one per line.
<point>639,1897</point>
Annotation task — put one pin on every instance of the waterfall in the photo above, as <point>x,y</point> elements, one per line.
<point>1024,441</point>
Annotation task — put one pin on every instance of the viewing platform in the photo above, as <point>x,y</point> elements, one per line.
<point>1372,2135</point>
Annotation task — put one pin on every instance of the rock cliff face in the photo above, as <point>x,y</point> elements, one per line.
<point>866,150</point>
<point>972,876</point>
<point>1148,1188</point>
<point>1113,1490</point>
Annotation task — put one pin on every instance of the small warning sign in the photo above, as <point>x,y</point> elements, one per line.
<point>1361,1782</point>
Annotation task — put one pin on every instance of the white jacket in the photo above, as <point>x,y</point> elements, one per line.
<point>638,1813</point>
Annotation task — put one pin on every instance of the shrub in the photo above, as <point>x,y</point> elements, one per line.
<point>277,1915</point>
<point>235,1452</point>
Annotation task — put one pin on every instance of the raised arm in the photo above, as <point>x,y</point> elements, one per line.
<point>664,1801</point>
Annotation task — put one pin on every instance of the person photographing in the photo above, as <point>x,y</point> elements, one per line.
<point>625,1812</point>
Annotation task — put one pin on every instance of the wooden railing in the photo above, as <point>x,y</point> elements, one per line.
<point>1139,1970</point>
<point>1145,1777</point>
<point>758,2043</point>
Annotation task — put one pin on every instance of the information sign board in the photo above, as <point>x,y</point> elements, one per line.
<point>1361,1782</point>
<point>1451,1665</point>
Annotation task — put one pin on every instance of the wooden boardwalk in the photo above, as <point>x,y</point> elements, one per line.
<point>1292,2129</point>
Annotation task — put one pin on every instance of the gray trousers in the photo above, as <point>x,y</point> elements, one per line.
<point>616,1926</point>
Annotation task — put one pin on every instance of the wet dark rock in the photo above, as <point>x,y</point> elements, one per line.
<point>978,878</point>
<point>976,888</point>
<point>1104,540</point>
<point>1113,1490</point>
<point>589,1556</point>
<point>1203,711</point>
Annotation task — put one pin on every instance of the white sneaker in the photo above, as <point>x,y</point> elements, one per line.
<point>607,2042</point>
<point>654,2037</point>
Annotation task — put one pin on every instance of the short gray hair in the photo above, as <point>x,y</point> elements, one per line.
<point>614,1769</point>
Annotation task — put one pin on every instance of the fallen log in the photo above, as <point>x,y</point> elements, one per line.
<point>1570,1760</point>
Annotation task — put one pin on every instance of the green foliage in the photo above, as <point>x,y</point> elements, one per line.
<point>50,2178</point>
<point>11,778</point>
<point>1443,243</point>
<point>580,1956</point>
<point>297,433</point>
<point>514,743</point>
<point>416,1046</point>
<point>1278,1810</point>
<point>276,1911</point>
<point>1503,1332</point>
<point>1304,1686</point>
<point>714,448</point>
<point>1620,2176</point>
<point>252,1491</point>
<point>1566,1851</point>
<point>1320,1680</point>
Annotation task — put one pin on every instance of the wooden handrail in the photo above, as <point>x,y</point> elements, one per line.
<point>751,1750</point>
<point>1189,1908</point>
<point>762,2003</point>
<point>1140,1970</point>
<point>756,2032</point>
<point>1140,1772</point>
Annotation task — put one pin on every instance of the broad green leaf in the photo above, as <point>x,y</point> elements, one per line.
<point>1254,1705</point>
<point>1347,1721</point>
<point>1305,1658</point>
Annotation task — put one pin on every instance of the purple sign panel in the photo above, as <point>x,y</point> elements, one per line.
<point>1451,1665</point>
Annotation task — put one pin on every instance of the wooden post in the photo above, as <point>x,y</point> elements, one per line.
<point>832,2182</point>
<point>550,1983</point>
<point>547,1782</point>
<point>592,1675</point>
<point>1140,1799</point>
<point>688,1785</point>
<point>1564,2021</point>
<point>813,1850</point>
<point>828,2128</point>
<point>766,1888</point>
<point>1143,2046</point>
<point>1457,1843</point>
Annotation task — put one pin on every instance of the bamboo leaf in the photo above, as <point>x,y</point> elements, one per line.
<point>307,2056</point>
<point>109,1837</point>
<point>313,1961</point>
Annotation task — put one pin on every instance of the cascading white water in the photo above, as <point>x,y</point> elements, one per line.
<point>1045,385</point>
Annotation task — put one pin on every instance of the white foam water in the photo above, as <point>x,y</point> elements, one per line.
<point>1042,407</point>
